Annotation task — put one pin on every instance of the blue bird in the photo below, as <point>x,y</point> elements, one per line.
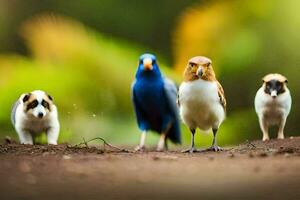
<point>154,99</point>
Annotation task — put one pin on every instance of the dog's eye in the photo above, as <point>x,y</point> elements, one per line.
<point>279,85</point>
<point>45,104</point>
<point>32,105</point>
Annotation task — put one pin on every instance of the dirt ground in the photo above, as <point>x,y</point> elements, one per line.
<point>255,170</point>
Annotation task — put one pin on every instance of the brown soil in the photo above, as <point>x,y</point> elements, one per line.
<point>256,170</point>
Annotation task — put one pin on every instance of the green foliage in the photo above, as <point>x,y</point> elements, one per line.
<point>140,21</point>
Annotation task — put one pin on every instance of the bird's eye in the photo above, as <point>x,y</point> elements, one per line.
<point>192,65</point>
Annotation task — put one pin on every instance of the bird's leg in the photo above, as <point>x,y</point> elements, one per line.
<point>141,146</point>
<point>161,142</point>
<point>214,146</point>
<point>264,129</point>
<point>280,130</point>
<point>192,149</point>
<point>166,144</point>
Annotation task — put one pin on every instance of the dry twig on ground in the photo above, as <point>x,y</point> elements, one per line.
<point>104,143</point>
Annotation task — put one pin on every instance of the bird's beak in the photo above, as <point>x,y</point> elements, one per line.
<point>199,72</point>
<point>274,94</point>
<point>147,64</point>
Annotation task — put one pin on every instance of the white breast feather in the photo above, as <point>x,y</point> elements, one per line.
<point>272,110</point>
<point>200,104</point>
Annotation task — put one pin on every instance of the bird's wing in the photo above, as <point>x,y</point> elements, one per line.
<point>221,95</point>
<point>171,94</point>
<point>170,89</point>
<point>137,108</point>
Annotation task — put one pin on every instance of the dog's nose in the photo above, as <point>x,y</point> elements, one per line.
<point>274,94</point>
<point>40,115</point>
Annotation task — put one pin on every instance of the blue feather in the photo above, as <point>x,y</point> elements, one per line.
<point>154,100</point>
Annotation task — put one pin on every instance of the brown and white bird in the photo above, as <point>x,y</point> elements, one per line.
<point>273,104</point>
<point>201,99</point>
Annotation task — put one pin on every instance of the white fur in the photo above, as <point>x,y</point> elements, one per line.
<point>200,105</point>
<point>272,111</point>
<point>39,109</point>
<point>28,123</point>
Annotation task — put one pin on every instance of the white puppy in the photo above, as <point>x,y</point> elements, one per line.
<point>273,104</point>
<point>35,113</point>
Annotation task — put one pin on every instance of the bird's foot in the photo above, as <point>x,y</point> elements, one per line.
<point>265,137</point>
<point>215,148</point>
<point>139,148</point>
<point>190,150</point>
<point>158,149</point>
<point>280,136</point>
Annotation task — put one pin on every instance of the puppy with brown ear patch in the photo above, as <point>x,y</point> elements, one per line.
<point>273,104</point>
<point>35,113</point>
<point>201,99</point>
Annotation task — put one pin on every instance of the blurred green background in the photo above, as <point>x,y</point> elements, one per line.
<point>85,53</point>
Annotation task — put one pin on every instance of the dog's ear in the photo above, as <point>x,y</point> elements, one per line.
<point>50,97</point>
<point>26,97</point>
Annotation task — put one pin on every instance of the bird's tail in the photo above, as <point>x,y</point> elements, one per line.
<point>174,134</point>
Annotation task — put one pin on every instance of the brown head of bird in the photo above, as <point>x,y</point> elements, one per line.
<point>199,67</point>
